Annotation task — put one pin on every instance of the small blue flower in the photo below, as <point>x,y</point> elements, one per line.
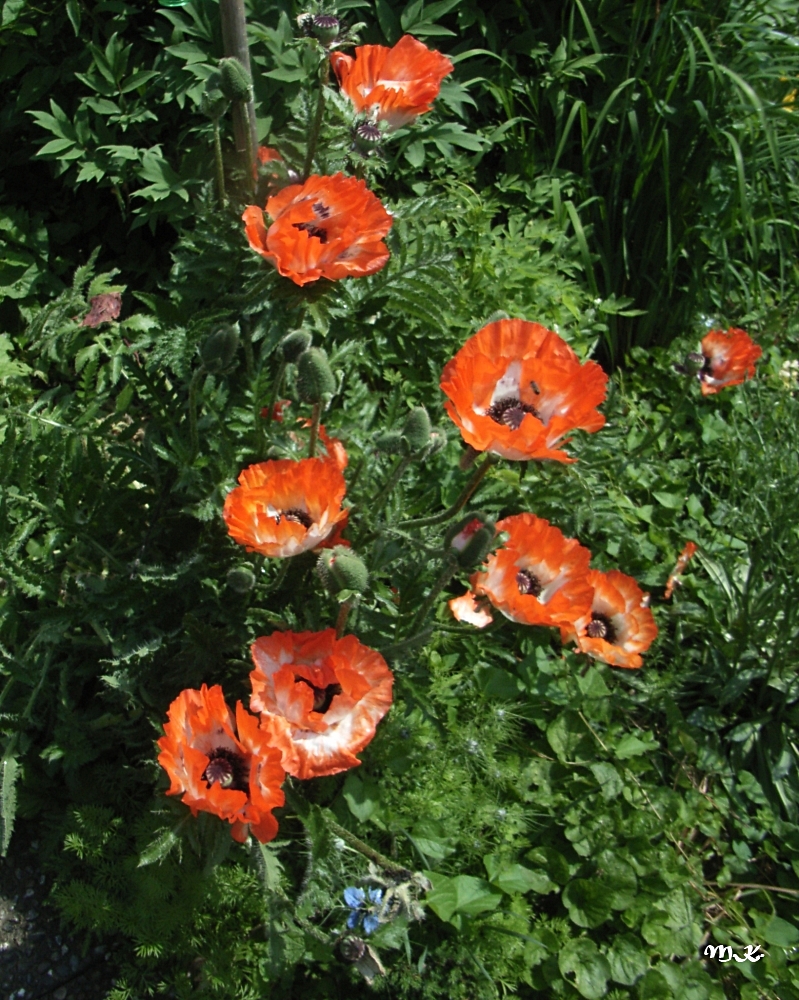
<point>355,899</point>
<point>370,923</point>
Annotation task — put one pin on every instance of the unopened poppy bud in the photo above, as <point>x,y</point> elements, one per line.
<point>219,348</point>
<point>235,81</point>
<point>314,377</point>
<point>416,430</point>
<point>459,534</point>
<point>389,443</point>
<point>437,441</point>
<point>346,571</point>
<point>293,344</point>
<point>477,548</point>
<point>241,579</point>
<point>213,103</point>
<point>325,28</point>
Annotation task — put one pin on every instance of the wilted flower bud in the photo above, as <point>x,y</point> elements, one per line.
<point>343,570</point>
<point>314,377</point>
<point>325,28</point>
<point>219,348</point>
<point>235,81</point>
<point>416,430</point>
<point>293,344</point>
<point>352,949</point>
<point>213,103</point>
<point>241,579</point>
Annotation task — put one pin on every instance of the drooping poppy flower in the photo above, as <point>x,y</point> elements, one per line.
<point>619,626</point>
<point>222,766</point>
<point>320,698</point>
<point>674,577</point>
<point>328,227</point>
<point>538,577</point>
<point>399,83</point>
<point>729,359</point>
<point>516,389</point>
<point>281,508</point>
<point>467,608</point>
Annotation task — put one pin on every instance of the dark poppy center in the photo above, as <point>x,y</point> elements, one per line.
<point>510,412</point>
<point>227,769</point>
<point>600,627</point>
<point>312,229</point>
<point>528,583</point>
<point>322,697</point>
<point>295,514</point>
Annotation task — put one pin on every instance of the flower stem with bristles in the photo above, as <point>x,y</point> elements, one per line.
<point>446,574</point>
<point>275,391</point>
<point>220,170</point>
<point>316,122</point>
<point>194,436</point>
<point>316,416</point>
<point>343,614</point>
<point>393,478</point>
<point>468,490</point>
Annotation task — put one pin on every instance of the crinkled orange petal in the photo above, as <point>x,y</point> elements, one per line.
<point>536,555</point>
<point>619,601</point>
<point>466,609</point>
<point>291,669</point>
<point>729,359</point>
<point>201,724</point>
<point>399,83</point>
<point>514,361</point>
<point>262,511</point>
<point>327,227</point>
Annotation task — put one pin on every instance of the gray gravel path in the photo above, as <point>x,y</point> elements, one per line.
<point>38,959</point>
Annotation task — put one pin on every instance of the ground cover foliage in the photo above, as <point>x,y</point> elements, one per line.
<point>569,829</point>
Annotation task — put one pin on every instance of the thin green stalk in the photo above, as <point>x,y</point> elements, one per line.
<point>393,478</point>
<point>365,849</point>
<point>409,643</point>
<point>316,122</point>
<point>220,169</point>
<point>274,392</point>
<point>468,490</point>
<point>446,574</point>
<point>316,416</point>
<point>343,614</point>
<point>193,433</point>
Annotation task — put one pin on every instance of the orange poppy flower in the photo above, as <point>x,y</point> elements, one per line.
<point>516,388</point>
<point>729,359</point>
<point>328,227</point>
<point>619,626</point>
<point>281,507</point>
<point>235,775</point>
<point>320,698</point>
<point>538,577</point>
<point>399,83</point>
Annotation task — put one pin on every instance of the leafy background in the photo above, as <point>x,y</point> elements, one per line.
<point>622,172</point>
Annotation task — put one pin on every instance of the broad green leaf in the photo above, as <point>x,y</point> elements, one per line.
<point>781,933</point>
<point>654,987</point>
<point>515,878</point>
<point>587,902</point>
<point>582,965</point>
<point>627,959</point>
<point>631,746</point>
<point>617,879</point>
<point>463,895</point>
<point>609,779</point>
<point>566,733</point>
<point>362,797</point>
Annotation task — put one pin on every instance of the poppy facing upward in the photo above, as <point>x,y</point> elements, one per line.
<point>320,698</point>
<point>538,577</point>
<point>328,227</point>
<point>235,775</point>
<point>281,507</point>
<point>729,359</point>
<point>619,626</point>
<point>399,83</point>
<point>516,389</point>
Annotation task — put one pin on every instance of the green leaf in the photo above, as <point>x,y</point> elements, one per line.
<point>515,878</point>
<point>73,13</point>
<point>580,959</point>
<point>654,987</point>
<point>159,848</point>
<point>627,959</point>
<point>388,21</point>
<point>463,895</point>
<point>429,837</point>
<point>631,746</point>
<point>781,933</point>
<point>566,733</point>
<point>587,902</point>
<point>609,780</point>
<point>362,797</point>
<point>617,879</point>
<point>552,861</point>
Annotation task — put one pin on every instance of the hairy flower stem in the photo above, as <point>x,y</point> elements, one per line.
<point>419,639</point>
<point>468,490</point>
<point>275,391</point>
<point>450,566</point>
<point>315,418</point>
<point>220,170</point>
<point>316,123</point>
<point>343,615</point>
<point>393,478</point>
<point>234,43</point>
<point>194,436</point>
<point>365,849</point>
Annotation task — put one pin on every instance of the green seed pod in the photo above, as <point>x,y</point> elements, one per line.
<point>366,137</point>
<point>694,363</point>
<point>219,348</point>
<point>213,103</point>
<point>235,81</point>
<point>293,344</point>
<point>314,377</point>
<point>325,28</point>
<point>346,571</point>
<point>416,430</point>
<point>241,579</point>
<point>390,443</point>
